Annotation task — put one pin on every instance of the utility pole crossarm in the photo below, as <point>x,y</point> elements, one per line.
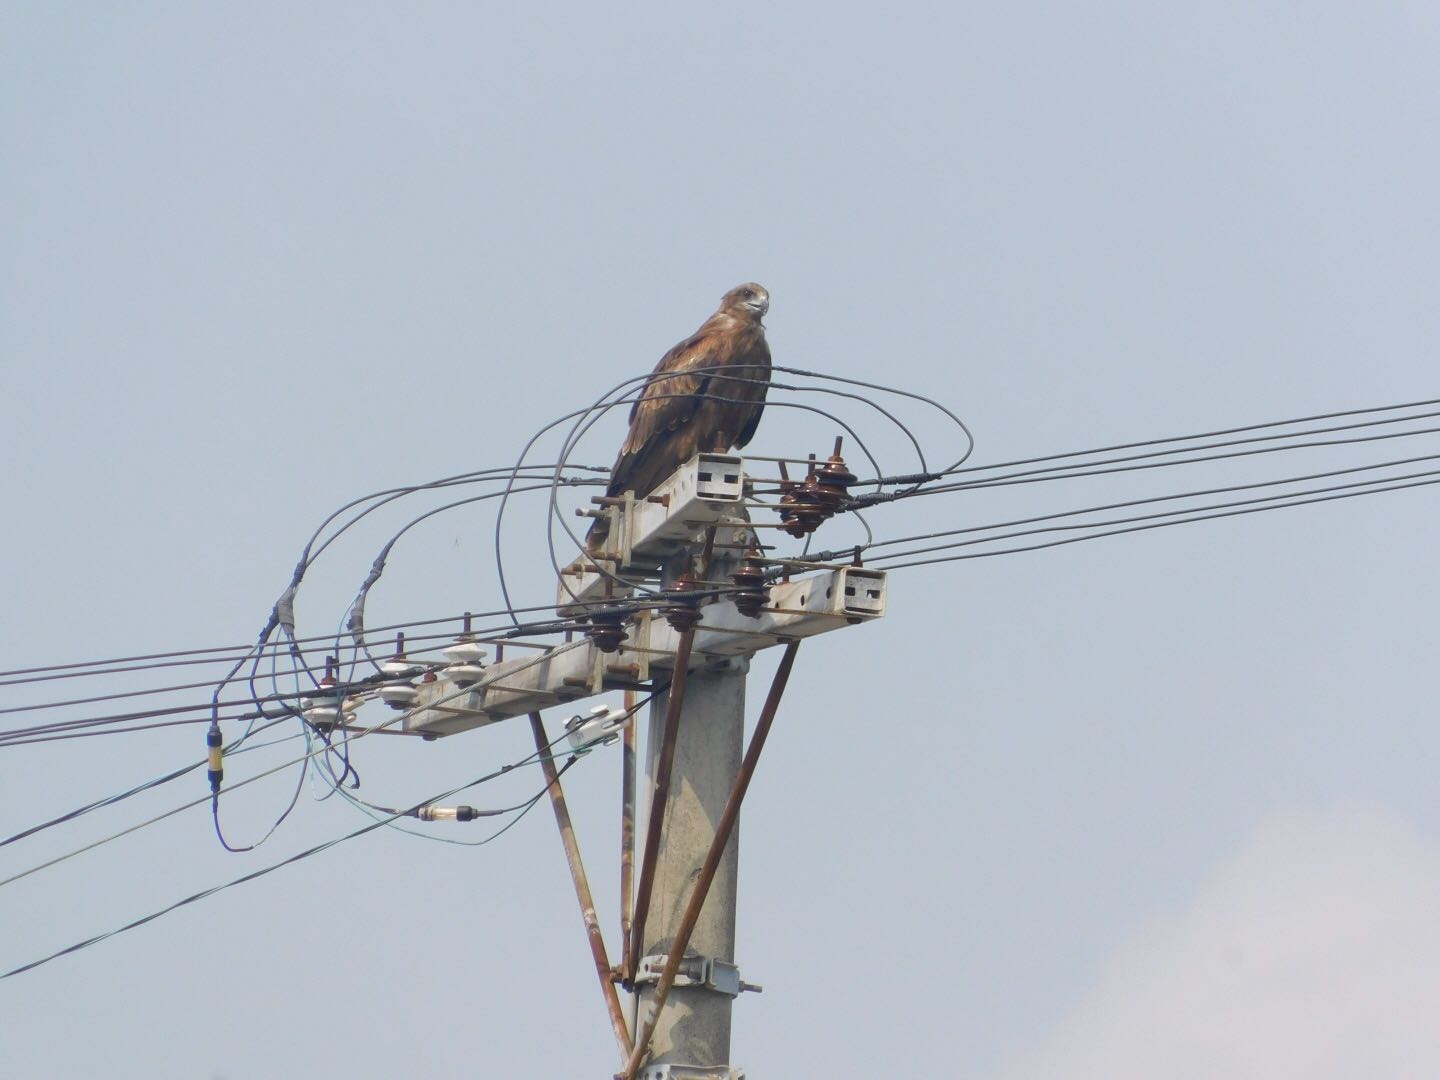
<point>803,607</point>
<point>708,490</point>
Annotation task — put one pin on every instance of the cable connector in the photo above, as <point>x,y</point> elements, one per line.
<point>600,728</point>
<point>214,745</point>
<point>447,813</point>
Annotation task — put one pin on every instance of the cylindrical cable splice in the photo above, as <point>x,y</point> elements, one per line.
<point>214,743</point>
<point>447,813</point>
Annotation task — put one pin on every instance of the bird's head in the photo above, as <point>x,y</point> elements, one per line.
<point>751,299</point>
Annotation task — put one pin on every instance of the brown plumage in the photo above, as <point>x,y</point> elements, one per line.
<point>689,405</point>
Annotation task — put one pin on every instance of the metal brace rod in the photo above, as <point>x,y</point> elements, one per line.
<point>664,766</point>
<point>627,828</point>
<point>718,842</point>
<point>582,885</point>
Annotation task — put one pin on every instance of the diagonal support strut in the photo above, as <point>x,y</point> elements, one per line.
<point>723,829</point>
<point>582,886</point>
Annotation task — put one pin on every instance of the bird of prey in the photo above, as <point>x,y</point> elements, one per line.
<point>705,395</point>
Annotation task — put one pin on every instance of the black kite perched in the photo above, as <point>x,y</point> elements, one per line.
<point>689,405</point>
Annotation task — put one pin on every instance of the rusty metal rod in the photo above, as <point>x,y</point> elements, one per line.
<point>664,766</point>
<point>582,885</point>
<point>627,829</point>
<point>723,828</point>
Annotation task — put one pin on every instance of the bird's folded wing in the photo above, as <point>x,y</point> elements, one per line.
<point>671,397</point>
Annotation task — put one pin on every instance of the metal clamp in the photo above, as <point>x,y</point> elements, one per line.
<point>702,972</point>
<point>691,1072</point>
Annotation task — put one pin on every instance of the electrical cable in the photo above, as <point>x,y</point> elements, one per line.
<point>282,612</point>
<point>9,737</point>
<point>13,676</point>
<point>231,788</point>
<point>308,558</point>
<point>1156,525</point>
<point>245,651</point>
<point>584,420</point>
<point>332,757</point>
<point>627,583</point>
<point>370,809</point>
<point>1034,476</point>
<point>1200,435</point>
<point>128,730</point>
<point>1163,513</point>
<point>148,785</point>
<point>523,808</point>
<point>587,417</point>
<point>547,626</point>
<point>355,621</point>
<point>843,553</point>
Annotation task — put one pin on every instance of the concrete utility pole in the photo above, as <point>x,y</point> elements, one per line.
<point>694,1025</point>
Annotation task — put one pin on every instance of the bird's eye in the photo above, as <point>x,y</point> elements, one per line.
<point>748,294</point>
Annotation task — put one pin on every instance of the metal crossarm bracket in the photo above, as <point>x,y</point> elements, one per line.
<point>707,490</point>
<point>799,608</point>
<point>691,1072</point>
<point>703,972</point>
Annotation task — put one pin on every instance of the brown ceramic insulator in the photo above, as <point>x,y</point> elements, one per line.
<point>832,483</point>
<point>788,501</point>
<point>751,594</point>
<point>683,609</point>
<point>607,629</point>
<point>809,513</point>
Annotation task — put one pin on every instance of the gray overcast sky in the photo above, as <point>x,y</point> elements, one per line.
<point>1158,805</point>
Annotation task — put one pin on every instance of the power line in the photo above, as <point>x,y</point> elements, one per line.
<point>825,556</point>
<point>500,631</point>
<point>584,420</point>
<point>148,785</point>
<point>29,737</point>
<point>523,471</point>
<point>49,732</point>
<point>514,480</point>
<point>371,809</point>
<point>244,651</point>
<point>1042,475</point>
<point>1203,435</point>
<point>233,787</point>
<point>1155,525</point>
<point>1167,513</point>
<point>75,728</point>
<point>523,809</point>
